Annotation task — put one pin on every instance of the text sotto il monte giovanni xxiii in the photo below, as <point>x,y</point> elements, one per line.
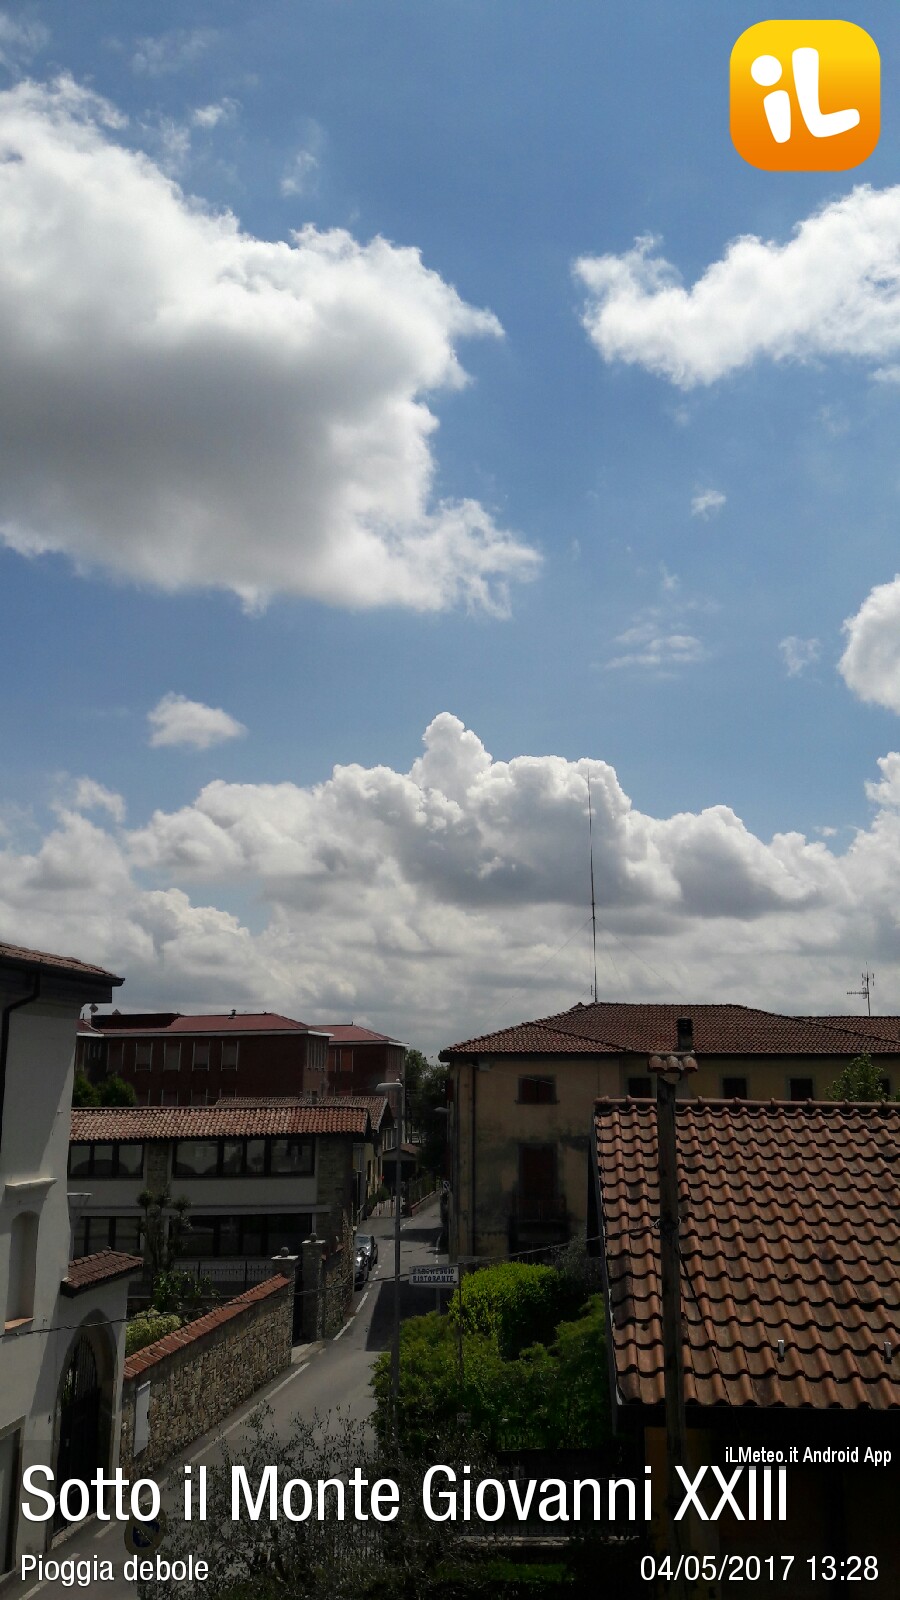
<point>448,1494</point>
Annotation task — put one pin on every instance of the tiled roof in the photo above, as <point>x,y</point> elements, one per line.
<point>532,1039</point>
<point>206,1022</point>
<point>718,1030</point>
<point>791,1231</point>
<point>375,1104</point>
<point>171,1342</point>
<point>354,1033</point>
<point>17,955</point>
<point>88,1271</point>
<point>216,1122</point>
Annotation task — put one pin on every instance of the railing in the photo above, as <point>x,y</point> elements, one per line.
<point>234,1275</point>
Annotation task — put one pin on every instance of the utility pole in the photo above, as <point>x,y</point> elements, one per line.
<point>593,899</point>
<point>389,1088</point>
<point>868,984</point>
<point>669,1071</point>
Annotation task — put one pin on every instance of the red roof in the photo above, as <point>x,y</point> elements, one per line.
<point>171,1342</point>
<point>206,1022</point>
<point>376,1104</point>
<point>353,1033</point>
<point>718,1030</point>
<point>216,1122</point>
<point>17,955</point>
<point>791,1232</point>
<point>102,1267</point>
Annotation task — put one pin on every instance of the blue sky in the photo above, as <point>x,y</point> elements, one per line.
<point>243,469</point>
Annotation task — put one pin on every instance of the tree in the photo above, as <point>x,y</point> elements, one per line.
<point>861,1079</point>
<point>111,1091</point>
<point>165,1226</point>
<point>426,1098</point>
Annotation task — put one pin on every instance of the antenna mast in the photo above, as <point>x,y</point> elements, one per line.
<point>593,902</point>
<point>868,984</point>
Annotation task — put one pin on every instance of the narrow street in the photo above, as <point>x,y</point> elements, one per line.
<point>322,1377</point>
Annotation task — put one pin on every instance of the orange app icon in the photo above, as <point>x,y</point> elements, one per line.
<point>805,96</point>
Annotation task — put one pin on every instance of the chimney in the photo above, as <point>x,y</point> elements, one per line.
<point>685,1027</point>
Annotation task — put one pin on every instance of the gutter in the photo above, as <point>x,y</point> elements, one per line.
<point>5,1013</point>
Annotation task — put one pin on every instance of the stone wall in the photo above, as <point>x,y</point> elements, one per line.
<point>200,1373</point>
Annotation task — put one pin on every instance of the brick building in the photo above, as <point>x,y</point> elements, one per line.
<point>359,1058</point>
<point>175,1060</point>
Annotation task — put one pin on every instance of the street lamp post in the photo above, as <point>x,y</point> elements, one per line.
<point>388,1088</point>
<point>669,1071</point>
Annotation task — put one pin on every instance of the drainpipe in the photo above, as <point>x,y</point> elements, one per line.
<point>5,1013</point>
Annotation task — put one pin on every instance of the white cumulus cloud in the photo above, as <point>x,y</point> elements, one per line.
<point>186,405</point>
<point>175,720</point>
<point>833,289</point>
<point>707,502</point>
<point>870,664</point>
<point>453,897</point>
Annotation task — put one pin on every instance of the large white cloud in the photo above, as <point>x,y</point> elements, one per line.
<point>453,897</point>
<point>188,405</point>
<point>870,664</point>
<point>832,290</point>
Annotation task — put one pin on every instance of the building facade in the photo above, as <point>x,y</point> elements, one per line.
<point>359,1059</point>
<point>258,1179</point>
<point>520,1099</point>
<point>175,1060</point>
<point>62,1345</point>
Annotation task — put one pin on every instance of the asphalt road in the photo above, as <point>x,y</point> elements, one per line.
<point>322,1378</point>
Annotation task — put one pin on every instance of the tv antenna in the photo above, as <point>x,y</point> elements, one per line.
<point>593,901</point>
<point>865,993</point>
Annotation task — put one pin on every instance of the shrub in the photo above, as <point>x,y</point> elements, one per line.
<point>147,1328</point>
<point>516,1304</point>
<point>550,1396</point>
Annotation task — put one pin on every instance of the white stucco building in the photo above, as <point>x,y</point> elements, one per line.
<point>62,1344</point>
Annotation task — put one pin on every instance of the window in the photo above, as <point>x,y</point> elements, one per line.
<point>232,1158</point>
<point>640,1088</point>
<point>23,1242</point>
<point>199,1097</point>
<point>201,1055</point>
<point>214,1236</point>
<point>143,1055</point>
<point>734,1088</point>
<point>229,1055</point>
<point>107,1233</point>
<point>537,1091</point>
<point>171,1056</point>
<point>291,1156</point>
<point>169,1097</point>
<point>800,1089</point>
<point>114,1055</point>
<point>196,1158</point>
<point>538,1197</point>
<point>106,1159</point>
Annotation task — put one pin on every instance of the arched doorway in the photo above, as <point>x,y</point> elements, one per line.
<point>83,1411</point>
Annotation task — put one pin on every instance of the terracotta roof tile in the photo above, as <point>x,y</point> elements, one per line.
<point>610,1025</point>
<point>216,1122</point>
<point>791,1231</point>
<point>375,1104</point>
<point>88,1271</point>
<point>17,954</point>
<point>530,1038</point>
